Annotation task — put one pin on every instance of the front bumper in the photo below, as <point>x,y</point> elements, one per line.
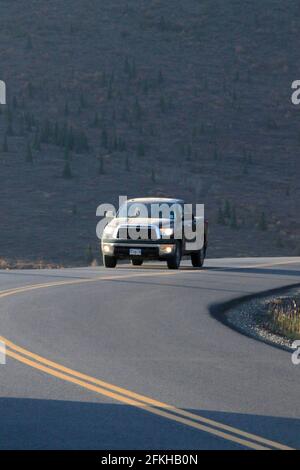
<point>122,249</point>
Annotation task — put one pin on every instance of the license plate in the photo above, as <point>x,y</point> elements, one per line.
<point>135,251</point>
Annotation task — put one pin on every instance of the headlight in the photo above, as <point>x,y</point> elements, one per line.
<point>108,248</point>
<point>166,231</point>
<point>166,249</point>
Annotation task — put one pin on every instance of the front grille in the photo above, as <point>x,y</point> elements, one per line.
<point>147,252</point>
<point>136,232</point>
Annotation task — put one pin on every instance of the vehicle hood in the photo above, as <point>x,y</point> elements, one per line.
<point>141,221</point>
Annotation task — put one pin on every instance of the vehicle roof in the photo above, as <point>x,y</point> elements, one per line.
<point>156,200</point>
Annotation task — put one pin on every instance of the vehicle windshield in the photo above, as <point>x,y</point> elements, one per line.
<point>145,210</point>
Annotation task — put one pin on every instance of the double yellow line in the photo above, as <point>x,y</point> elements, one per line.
<point>122,395</point>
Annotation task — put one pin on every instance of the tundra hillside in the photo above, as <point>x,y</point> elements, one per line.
<point>180,99</point>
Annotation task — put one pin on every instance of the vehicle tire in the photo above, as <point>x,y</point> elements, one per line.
<point>109,261</point>
<point>137,262</point>
<point>174,261</point>
<point>198,258</point>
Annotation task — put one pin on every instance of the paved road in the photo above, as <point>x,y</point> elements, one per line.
<point>159,371</point>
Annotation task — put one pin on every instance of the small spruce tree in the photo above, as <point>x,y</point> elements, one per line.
<point>89,256</point>
<point>101,170</point>
<point>262,223</point>
<point>153,176</point>
<point>127,164</point>
<point>104,139</point>
<point>67,172</point>
<point>29,158</point>
<point>233,219</point>
<point>29,43</point>
<point>160,77</point>
<point>141,150</point>
<point>5,144</point>
<point>221,218</point>
<point>227,209</point>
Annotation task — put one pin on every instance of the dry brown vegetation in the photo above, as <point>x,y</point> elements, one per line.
<point>284,317</point>
<point>187,99</point>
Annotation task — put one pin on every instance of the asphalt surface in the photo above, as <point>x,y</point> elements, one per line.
<point>149,331</point>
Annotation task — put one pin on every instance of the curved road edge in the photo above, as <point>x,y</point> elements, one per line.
<point>219,312</point>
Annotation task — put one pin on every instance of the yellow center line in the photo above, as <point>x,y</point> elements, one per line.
<point>21,289</point>
<point>268,265</point>
<point>137,404</point>
<point>121,394</point>
<point>18,353</point>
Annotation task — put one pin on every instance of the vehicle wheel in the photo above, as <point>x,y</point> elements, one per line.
<point>198,258</point>
<point>137,262</point>
<point>174,261</point>
<point>109,261</point>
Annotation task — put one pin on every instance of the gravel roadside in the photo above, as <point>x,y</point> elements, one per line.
<point>250,318</point>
